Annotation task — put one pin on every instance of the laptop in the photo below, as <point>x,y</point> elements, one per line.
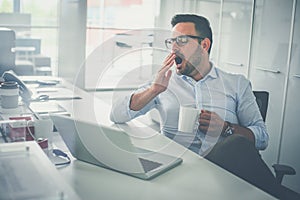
<point>111,148</point>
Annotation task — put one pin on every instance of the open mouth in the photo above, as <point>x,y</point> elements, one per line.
<point>178,60</point>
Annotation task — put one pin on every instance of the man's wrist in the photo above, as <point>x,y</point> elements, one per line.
<point>154,90</point>
<point>229,129</point>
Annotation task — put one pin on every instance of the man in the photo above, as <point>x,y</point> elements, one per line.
<point>230,129</point>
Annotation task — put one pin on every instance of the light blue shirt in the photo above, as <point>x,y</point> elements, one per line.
<point>229,95</point>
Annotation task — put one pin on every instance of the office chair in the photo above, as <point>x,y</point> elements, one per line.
<point>262,100</point>
<point>7,56</point>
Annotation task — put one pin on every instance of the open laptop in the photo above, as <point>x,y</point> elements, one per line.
<point>111,148</point>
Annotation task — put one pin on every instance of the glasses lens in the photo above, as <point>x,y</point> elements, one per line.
<point>169,43</point>
<point>182,40</point>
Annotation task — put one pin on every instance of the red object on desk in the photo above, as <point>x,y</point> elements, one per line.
<point>43,143</point>
<point>19,130</point>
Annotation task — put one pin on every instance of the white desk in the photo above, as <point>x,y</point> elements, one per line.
<point>195,178</point>
<point>27,173</point>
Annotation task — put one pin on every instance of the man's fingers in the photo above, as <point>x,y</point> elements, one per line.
<point>204,122</point>
<point>205,116</point>
<point>206,111</point>
<point>169,57</point>
<point>203,128</point>
<point>169,61</point>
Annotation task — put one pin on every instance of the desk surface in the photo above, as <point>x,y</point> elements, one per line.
<point>27,173</point>
<point>195,178</point>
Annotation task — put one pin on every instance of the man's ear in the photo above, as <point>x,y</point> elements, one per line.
<point>206,44</point>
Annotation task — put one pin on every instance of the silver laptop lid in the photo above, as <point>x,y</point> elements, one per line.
<point>107,145</point>
<point>111,148</point>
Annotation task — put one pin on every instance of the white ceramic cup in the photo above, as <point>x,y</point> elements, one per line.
<point>43,129</point>
<point>188,117</point>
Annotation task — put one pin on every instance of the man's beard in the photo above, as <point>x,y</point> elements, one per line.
<point>189,68</point>
<point>191,65</point>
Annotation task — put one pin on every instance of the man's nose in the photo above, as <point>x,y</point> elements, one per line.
<point>175,47</point>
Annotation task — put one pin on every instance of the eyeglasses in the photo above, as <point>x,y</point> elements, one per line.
<point>181,40</point>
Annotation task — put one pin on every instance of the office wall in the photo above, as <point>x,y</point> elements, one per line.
<point>7,56</point>
<point>274,69</point>
<point>235,36</point>
<point>72,37</point>
<point>269,63</point>
<point>290,128</point>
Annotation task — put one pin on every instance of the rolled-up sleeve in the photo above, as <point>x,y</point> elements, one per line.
<point>261,136</point>
<point>249,115</point>
<point>121,112</point>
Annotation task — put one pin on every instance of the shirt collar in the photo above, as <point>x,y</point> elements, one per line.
<point>212,74</point>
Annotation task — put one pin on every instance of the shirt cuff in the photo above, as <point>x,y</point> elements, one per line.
<point>261,138</point>
<point>130,113</point>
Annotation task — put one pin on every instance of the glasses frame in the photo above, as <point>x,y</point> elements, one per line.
<point>170,41</point>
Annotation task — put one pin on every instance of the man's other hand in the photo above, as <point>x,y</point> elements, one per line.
<point>211,123</point>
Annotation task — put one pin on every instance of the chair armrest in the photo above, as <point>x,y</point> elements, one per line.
<point>281,170</point>
<point>284,169</point>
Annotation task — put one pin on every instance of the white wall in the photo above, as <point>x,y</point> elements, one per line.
<point>72,33</point>
<point>273,49</point>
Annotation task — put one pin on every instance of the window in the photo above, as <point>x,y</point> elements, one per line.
<point>111,23</point>
<point>35,23</point>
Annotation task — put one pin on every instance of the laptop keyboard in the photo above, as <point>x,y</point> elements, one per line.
<point>149,165</point>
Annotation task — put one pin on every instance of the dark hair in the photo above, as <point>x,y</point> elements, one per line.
<point>202,25</point>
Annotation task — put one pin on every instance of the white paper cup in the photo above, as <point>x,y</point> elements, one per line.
<point>9,92</point>
<point>188,117</point>
<point>43,129</point>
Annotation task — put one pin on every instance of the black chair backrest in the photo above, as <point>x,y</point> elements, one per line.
<point>262,100</point>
